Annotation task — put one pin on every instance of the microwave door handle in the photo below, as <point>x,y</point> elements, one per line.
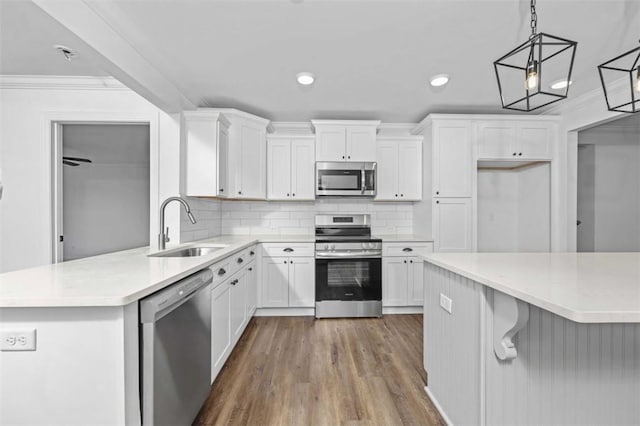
<point>362,180</point>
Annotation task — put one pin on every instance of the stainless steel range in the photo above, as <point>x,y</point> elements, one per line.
<point>348,267</point>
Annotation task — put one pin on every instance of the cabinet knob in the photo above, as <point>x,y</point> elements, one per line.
<point>239,192</point>
<point>402,195</point>
<point>294,194</point>
<point>252,253</point>
<point>437,202</point>
<point>343,157</point>
<point>519,153</point>
<point>250,269</point>
<point>411,261</point>
<point>405,261</point>
<point>514,154</point>
<point>240,260</point>
<point>437,192</point>
<point>287,194</point>
<point>396,195</point>
<point>222,271</point>
<point>349,157</point>
<point>285,262</point>
<point>221,189</point>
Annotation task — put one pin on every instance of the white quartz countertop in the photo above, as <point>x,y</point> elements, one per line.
<point>582,287</point>
<point>403,238</point>
<point>115,279</point>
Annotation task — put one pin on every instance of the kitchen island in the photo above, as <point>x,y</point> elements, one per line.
<point>533,338</point>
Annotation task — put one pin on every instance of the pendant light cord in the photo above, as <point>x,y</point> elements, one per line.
<point>534,20</point>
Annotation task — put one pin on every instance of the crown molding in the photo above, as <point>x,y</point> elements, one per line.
<point>59,82</point>
<point>396,129</point>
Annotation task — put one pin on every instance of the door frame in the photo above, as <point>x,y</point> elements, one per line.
<point>52,126</point>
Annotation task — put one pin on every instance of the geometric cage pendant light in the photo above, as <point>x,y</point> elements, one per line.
<point>621,71</point>
<point>536,73</point>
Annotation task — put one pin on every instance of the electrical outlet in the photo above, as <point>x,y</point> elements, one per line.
<point>18,340</point>
<point>445,303</point>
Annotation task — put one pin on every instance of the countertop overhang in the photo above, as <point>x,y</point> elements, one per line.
<point>582,287</point>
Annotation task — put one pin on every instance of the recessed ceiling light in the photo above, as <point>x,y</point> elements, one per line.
<point>67,52</point>
<point>439,80</point>
<point>560,84</point>
<point>305,78</point>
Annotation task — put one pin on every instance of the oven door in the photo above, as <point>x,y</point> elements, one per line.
<point>349,279</point>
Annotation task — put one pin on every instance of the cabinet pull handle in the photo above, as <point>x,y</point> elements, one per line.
<point>240,260</point>
<point>407,249</point>
<point>252,253</point>
<point>221,189</point>
<point>250,269</point>
<point>234,282</point>
<point>221,271</point>
<point>288,250</point>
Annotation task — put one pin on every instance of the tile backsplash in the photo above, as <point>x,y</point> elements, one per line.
<point>288,218</point>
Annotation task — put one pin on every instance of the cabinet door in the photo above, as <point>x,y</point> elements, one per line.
<point>200,157</point>
<point>238,298</point>
<point>223,163</point>
<point>302,282</point>
<point>275,282</point>
<point>330,143</point>
<point>394,281</point>
<point>220,327</point>
<point>361,143</point>
<point>452,163</point>
<point>279,170</point>
<point>534,140</point>
<point>410,170</point>
<point>387,172</point>
<point>452,224</point>
<point>415,282</point>
<point>303,169</point>
<point>253,162</point>
<point>496,139</point>
<point>251,278</point>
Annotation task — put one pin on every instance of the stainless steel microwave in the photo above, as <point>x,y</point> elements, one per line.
<point>345,179</point>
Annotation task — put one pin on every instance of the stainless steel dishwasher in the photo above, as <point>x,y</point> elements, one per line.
<point>176,351</point>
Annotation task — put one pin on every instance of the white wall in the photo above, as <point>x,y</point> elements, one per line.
<point>586,232</point>
<point>207,213</point>
<point>26,109</point>
<point>106,202</point>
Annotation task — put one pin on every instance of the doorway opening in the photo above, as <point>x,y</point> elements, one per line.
<point>608,202</point>
<point>102,187</point>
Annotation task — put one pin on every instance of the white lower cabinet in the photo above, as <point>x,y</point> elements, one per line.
<point>452,225</point>
<point>287,281</point>
<point>233,302</point>
<point>220,327</point>
<point>402,273</point>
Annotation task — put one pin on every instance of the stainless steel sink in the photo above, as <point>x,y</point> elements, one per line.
<point>187,252</point>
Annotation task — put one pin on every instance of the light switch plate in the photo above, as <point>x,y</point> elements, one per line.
<point>18,340</point>
<point>445,303</point>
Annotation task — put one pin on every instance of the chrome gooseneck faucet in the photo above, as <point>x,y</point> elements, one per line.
<point>163,237</point>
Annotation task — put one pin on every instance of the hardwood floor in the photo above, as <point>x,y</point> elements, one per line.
<point>302,371</point>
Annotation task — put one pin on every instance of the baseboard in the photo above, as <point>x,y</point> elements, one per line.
<point>436,404</point>
<point>285,312</point>
<point>390,310</point>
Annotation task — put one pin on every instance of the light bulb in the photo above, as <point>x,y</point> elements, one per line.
<point>531,82</point>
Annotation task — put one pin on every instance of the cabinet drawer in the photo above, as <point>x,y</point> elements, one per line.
<point>238,260</point>
<point>288,250</point>
<point>221,271</point>
<point>405,249</point>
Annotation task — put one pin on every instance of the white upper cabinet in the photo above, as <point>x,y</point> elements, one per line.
<point>290,168</point>
<point>452,158</point>
<point>452,225</point>
<point>345,140</point>
<point>515,139</point>
<point>399,174</point>
<point>224,154</point>
<point>204,133</point>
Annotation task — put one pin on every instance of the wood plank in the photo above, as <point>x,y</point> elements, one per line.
<point>302,371</point>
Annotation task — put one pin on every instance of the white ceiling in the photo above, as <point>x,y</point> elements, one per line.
<point>372,59</point>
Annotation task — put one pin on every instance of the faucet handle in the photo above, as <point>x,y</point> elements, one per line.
<point>166,236</point>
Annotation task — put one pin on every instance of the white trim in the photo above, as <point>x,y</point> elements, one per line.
<point>57,195</point>
<point>388,137</point>
<point>237,113</point>
<point>292,128</point>
<point>436,404</point>
<point>396,129</point>
<point>285,312</point>
<point>417,130</point>
<point>48,119</point>
<point>59,82</point>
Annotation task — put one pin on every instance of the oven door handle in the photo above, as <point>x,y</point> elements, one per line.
<point>352,254</point>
